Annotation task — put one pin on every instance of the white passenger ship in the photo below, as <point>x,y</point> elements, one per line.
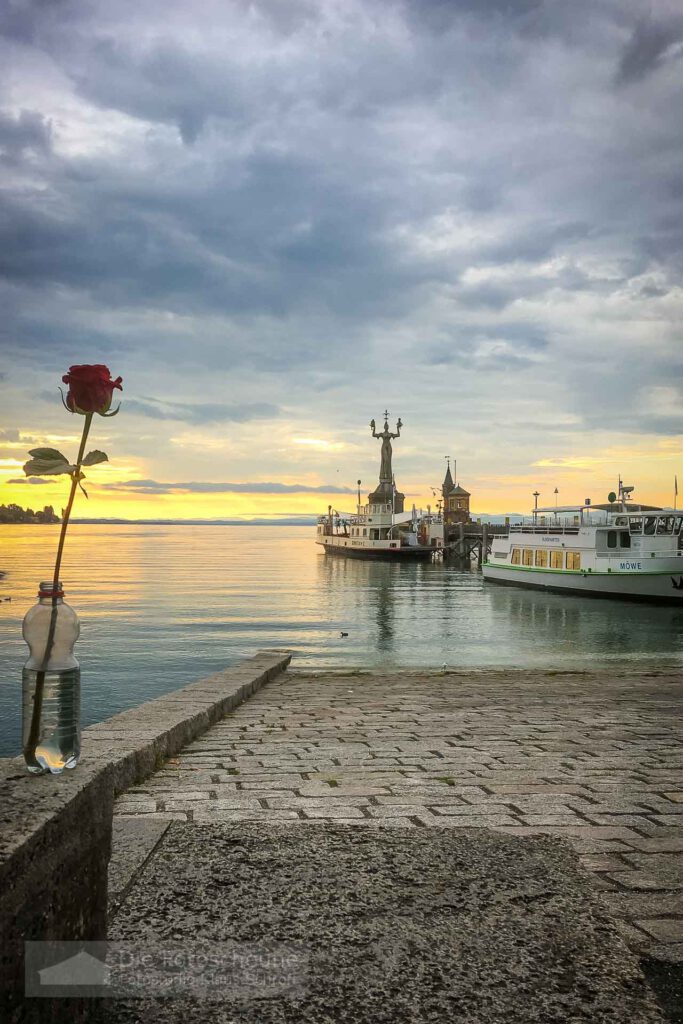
<point>617,550</point>
<point>381,529</point>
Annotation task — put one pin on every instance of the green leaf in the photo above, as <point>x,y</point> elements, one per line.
<point>51,454</point>
<point>92,458</point>
<point>47,467</point>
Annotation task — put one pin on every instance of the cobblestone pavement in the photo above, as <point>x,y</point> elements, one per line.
<point>595,758</point>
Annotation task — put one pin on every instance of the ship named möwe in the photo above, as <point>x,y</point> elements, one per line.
<point>382,529</point>
<point>620,549</point>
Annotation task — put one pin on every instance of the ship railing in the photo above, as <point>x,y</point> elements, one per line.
<point>548,528</point>
<point>354,519</point>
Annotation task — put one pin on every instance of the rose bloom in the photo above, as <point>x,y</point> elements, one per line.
<point>90,388</point>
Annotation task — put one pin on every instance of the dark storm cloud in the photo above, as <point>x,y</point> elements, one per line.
<point>205,412</point>
<point>489,347</point>
<point>202,487</point>
<point>27,131</point>
<point>650,43</point>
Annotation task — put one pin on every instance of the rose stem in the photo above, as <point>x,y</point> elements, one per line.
<point>34,731</point>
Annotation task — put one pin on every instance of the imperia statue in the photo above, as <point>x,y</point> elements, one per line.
<point>385,471</point>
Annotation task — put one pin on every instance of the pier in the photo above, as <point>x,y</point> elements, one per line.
<point>530,819</point>
<point>467,541</point>
<point>593,758</point>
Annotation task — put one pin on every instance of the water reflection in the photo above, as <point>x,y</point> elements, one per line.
<point>587,628</point>
<point>161,606</point>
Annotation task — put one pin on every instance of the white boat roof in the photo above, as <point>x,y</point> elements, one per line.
<point>630,510</point>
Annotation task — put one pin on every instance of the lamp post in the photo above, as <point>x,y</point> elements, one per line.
<point>537,495</point>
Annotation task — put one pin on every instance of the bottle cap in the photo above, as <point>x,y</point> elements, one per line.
<point>47,589</point>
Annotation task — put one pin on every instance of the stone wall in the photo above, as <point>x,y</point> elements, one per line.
<point>55,832</point>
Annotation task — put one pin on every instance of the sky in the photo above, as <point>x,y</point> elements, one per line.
<point>276,219</point>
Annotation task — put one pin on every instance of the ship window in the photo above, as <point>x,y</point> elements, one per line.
<point>541,558</point>
<point>573,559</point>
<point>555,559</point>
<point>611,538</point>
<point>528,556</point>
<point>374,534</point>
<point>625,539</point>
<point>665,524</point>
<point>515,556</point>
<point>365,533</point>
<point>650,523</point>
<point>636,525</point>
<point>677,524</point>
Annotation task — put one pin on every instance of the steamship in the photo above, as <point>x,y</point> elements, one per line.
<point>381,528</point>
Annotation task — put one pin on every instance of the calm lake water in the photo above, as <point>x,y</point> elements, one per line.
<point>161,606</point>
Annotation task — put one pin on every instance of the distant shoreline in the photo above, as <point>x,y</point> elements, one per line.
<point>179,522</point>
<point>301,521</point>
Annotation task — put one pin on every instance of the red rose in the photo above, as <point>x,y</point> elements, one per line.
<point>90,388</point>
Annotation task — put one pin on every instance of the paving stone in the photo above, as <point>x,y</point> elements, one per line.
<point>125,806</point>
<point>133,840</point>
<point>244,814</point>
<point>648,825</point>
<point>646,880</point>
<point>603,862</point>
<point>330,812</point>
<point>667,844</point>
<point>645,904</point>
<point>547,819</point>
<point>302,802</point>
<point>662,928</point>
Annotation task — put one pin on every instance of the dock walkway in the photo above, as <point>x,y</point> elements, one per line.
<point>595,758</point>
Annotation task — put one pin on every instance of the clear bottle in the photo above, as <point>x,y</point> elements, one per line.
<point>51,705</point>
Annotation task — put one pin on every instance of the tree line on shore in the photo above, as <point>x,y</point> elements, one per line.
<point>16,514</point>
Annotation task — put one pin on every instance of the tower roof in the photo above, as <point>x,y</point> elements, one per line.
<point>459,490</point>
<point>447,481</point>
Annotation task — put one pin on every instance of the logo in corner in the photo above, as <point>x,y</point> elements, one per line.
<point>81,969</point>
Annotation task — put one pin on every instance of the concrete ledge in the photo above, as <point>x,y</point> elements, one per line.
<point>134,743</point>
<point>55,832</point>
<point>55,841</point>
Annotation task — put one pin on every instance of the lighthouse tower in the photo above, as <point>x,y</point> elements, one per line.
<point>456,500</point>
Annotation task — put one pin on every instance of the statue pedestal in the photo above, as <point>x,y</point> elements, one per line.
<point>384,496</point>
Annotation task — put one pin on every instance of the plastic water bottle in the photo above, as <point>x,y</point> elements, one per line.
<point>51,712</point>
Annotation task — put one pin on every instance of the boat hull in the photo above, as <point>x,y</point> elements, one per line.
<point>660,587</point>
<point>404,554</point>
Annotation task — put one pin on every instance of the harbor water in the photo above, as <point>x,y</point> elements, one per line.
<point>181,602</point>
